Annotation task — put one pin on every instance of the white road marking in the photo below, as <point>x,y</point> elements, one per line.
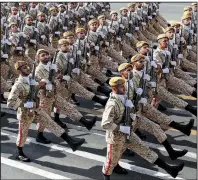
<point>100,159</point>
<point>31,169</point>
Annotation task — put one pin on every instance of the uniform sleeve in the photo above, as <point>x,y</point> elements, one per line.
<point>157,58</point>
<point>107,118</point>
<point>13,98</point>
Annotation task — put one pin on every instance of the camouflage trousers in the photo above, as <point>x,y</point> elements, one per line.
<point>152,30</point>
<point>192,58</point>
<point>4,85</point>
<point>185,77</point>
<point>158,28</point>
<point>179,85</point>
<point>153,114</point>
<point>104,62</point>
<point>5,68</point>
<point>149,35</point>
<point>164,95</point>
<point>161,21</point>
<point>115,56</point>
<point>145,124</point>
<point>40,116</point>
<point>141,37</point>
<point>115,151</point>
<point>188,66</point>
<point>85,80</point>
<point>31,52</point>
<point>96,74</point>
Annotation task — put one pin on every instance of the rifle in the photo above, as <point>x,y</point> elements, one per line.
<point>136,23</point>
<point>174,53</point>
<point>97,51</point>
<point>78,53</point>
<point>180,43</point>
<point>190,41</point>
<point>66,23</point>
<point>85,49</point>
<point>52,71</point>
<point>5,46</point>
<point>166,65</point>
<point>108,33</point>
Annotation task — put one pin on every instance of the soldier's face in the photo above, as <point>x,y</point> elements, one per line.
<point>70,5</point>
<point>139,65</point>
<point>62,9</point>
<point>119,89</point>
<point>94,26</point>
<point>54,12</point>
<point>124,73</point>
<point>163,43</point>
<point>170,34</point>
<point>186,21</point>
<point>177,29</point>
<point>114,17</point>
<point>124,12</point>
<point>29,21</point>
<point>14,11</point>
<point>14,28</point>
<point>132,8</point>
<point>70,40</point>
<point>25,70</point>
<point>41,18</point>
<point>144,49</point>
<point>44,58</point>
<point>33,4</point>
<point>194,8</point>
<point>81,35</point>
<point>102,20</point>
<point>80,4</point>
<point>64,48</point>
<point>23,7</point>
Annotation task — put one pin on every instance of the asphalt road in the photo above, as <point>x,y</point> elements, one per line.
<point>57,161</point>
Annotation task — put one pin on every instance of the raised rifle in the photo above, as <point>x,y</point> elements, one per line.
<point>108,33</point>
<point>52,71</point>
<point>180,43</point>
<point>190,38</point>
<point>166,65</point>
<point>78,53</point>
<point>97,45</point>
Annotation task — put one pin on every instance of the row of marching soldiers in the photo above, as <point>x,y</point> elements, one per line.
<point>53,53</point>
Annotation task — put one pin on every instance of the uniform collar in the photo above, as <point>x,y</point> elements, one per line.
<point>25,79</point>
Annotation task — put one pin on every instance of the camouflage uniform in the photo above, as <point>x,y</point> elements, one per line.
<point>17,97</point>
<point>116,141</point>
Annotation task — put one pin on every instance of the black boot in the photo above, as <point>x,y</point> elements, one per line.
<point>100,100</point>
<point>195,86</point>
<point>88,123</point>
<point>104,90</point>
<point>106,177</point>
<point>3,100</point>
<point>3,114</point>
<point>128,152</point>
<point>119,170</point>
<point>109,73</point>
<point>21,156</point>
<point>73,143</point>
<point>186,129</point>
<point>173,170</point>
<point>140,134</point>
<point>191,109</point>
<point>40,138</point>
<point>161,108</point>
<point>76,102</point>
<point>194,94</point>
<point>174,154</point>
<point>108,81</point>
<point>58,121</point>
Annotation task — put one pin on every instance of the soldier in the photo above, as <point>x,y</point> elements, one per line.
<point>27,111</point>
<point>22,10</point>
<point>14,17</point>
<point>116,134</point>
<point>33,11</point>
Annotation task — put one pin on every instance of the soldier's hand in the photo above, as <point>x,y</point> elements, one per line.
<point>125,129</point>
<point>42,84</point>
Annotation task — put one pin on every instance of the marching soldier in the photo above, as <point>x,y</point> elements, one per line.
<point>19,98</point>
<point>14,17</point>
<point>117,134</point>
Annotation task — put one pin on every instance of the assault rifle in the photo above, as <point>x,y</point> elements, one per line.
<point>52,71</point>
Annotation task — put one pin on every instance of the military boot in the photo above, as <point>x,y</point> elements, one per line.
<point>74,144</point>
<point>119,170</point>
<point>174,154</point>
<point>21,156</point>
<point>194,94</point>
<point>88,123</point>
<point>191,109</point>
<point>76,102</point>
<point>100,100</point>
<point>3,100</point>
<point>173,170</point>
<point>195,86</point>
<point>161,107</point>
<point>140,134</point>
<point>58,121</point>
<point>41,139</point>
<point>106,177</point>
<point>186,129</point>
<point>104,90</point>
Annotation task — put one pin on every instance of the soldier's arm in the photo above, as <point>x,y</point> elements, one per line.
<point>14,97</point>
<point>108,118</point>
<point>158,59</point>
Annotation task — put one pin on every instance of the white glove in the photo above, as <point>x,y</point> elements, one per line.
<point>60,20</point>
<point>153,63</point>
<point>125,129</point>
<point>54,66</point>
<point>91,16</point>
<point>118,39</point>
<point>173,63</point>
<point>139,91</point>
<point>36,30</point>
<point>84,61</point>
<point>76,70</point>
<point>87,45</point>
<point>165,71</point>
<point>83,19</point>
<point>43,36</point>
<point>130,22</point>
<point>189,47</point>
<point>143,23</point>
<point>66,78</point>
<point>57,32</point>
<point>143,101</point>
<point>182,39</point>
<point>129,35</point>
<point>70,22</point>
<point>122,26</point>
<point>96,48</point>
<point>65,28</point>
<point>19,48</point>
<point>129,103</point>
<point>168,53</point>
<point>150,17</point>
<point>111,30</point>
<point>33,82</point>
<point>191,32</point>
<point>71,60</point>
<point>79,52</point>
<point>92,44</point>
<point>28,105</point>
<point>107,43</point>
<point>33,41</point>
<point>153,84</point>
<point>49,87</point>
<point>100,33</point>
<point>45,80</point>
<point>175,46</point>
<point>147,77</point>
<point>180,56</point>
<point>137,28</point>
<point>5,56</point>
